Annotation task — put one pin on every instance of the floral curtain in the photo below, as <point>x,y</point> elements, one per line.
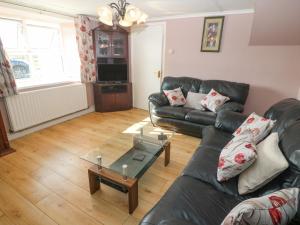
<point>7,80</point>
<point>84,26</point>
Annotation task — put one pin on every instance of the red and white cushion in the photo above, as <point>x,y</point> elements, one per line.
<point>175,97</point>
<point>278,208</point>
<point>236,156</point>
<point>259,126</point>
<point>214,100</point>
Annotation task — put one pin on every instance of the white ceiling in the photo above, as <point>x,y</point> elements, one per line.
<point>154,8</point>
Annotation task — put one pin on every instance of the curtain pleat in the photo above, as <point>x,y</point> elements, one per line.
<point>7,79</point>
<point>84,36</point>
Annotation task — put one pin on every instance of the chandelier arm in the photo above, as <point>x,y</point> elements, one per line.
<point>114,6</point>
<point>120,10</point>
<point>122,3</point>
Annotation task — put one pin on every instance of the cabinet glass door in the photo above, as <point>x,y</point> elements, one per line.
<point>103,44</point>
<point>119,45</point>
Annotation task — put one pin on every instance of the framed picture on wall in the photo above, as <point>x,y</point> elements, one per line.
<point>212,34</point>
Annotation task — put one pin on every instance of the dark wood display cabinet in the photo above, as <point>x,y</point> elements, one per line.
<point>112,91</point>
<point>112,97</point>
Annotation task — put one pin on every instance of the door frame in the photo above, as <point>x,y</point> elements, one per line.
<point>164,26</point>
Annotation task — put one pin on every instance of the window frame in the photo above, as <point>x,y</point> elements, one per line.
<point>23,45</point>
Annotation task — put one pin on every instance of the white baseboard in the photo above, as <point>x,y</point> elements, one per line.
<point>12,136</point>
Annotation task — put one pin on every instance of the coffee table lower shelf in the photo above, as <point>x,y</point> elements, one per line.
<point>116,181</point>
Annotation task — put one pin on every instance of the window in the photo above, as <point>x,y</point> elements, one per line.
<point>37,53</point>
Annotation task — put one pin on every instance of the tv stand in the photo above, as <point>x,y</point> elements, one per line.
<point>111,97</point>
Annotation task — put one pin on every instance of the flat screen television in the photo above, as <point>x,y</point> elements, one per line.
<point>112,73</point>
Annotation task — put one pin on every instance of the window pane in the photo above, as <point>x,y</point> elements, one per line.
<point>9,33</point>
<point>42,37</point>
<point>21,64</point>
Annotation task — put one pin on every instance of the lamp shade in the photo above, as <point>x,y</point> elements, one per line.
<point>105,15</point>
<point>125,23</point>
<point>132,13</point>
<point>142,18</point>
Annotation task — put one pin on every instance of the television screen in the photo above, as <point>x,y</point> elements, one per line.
<point>112,73</point>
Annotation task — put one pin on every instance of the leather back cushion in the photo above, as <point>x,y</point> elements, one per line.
<point>185,83</point>
<point>276,110</point>
<point>285,112</point>
<point>237,92</point>
<point>290,146</point>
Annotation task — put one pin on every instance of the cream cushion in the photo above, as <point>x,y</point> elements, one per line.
<point>270,163</point>
<point>193,100</point>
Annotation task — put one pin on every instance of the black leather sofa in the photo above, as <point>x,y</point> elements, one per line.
<point>197,198</point>
<point>190,121</point>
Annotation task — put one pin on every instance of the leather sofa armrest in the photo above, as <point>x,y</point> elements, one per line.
<point>231,106</point>
<point>158,99</point>
<point>229,121</point>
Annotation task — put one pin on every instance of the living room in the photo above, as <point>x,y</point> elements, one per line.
<point>162,112</point>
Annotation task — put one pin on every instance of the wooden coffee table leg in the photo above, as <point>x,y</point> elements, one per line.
<point>94,182</point>
<point>133,197</point>
<point>167,154</point>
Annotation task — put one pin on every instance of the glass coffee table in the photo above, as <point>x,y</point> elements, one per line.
<point>121,167</point>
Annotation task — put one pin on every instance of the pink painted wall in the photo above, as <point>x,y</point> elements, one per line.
<point>272,71</point>
<point>276,22</point>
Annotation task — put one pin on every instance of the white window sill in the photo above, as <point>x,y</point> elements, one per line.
<point>43,86</point>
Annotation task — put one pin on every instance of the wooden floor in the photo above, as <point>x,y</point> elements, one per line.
<point>45,181</point>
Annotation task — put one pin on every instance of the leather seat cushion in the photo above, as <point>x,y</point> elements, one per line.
<point>172,112</point>
<point>201,117</point>
<point>203,166</point>
<point>215,138</point>
<point>179,126</point>
<point>193,202</point>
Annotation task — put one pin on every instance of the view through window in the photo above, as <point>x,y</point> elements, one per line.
<point>36,53</point>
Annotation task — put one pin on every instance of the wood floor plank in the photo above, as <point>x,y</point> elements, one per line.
<point>18,159</point>
<point>132,221</point>
<point>47,170</point>
<point>23,183</point>
<point>64,213</point>
<point>59,166</point>
<point>4,220</point>
<point>19,210</point>
<point>95,207</point>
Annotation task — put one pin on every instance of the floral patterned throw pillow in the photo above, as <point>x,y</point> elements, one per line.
<point>259,126</point>
<point>278,208</point>
<point>236,156</point>
<point>214,100</point>
<point>175,97</point>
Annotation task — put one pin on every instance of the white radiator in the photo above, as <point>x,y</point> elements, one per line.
<point>35,107</point>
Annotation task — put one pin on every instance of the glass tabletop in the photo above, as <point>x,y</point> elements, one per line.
<point>130,154</point>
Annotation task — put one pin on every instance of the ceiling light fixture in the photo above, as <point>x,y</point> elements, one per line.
<point>122,13</point>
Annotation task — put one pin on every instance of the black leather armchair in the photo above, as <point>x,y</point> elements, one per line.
<point>191,121</point>
<point>197,198</point>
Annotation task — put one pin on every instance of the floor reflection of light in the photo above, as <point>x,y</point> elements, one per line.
<point>135,128</point>
<point>148,128</point>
